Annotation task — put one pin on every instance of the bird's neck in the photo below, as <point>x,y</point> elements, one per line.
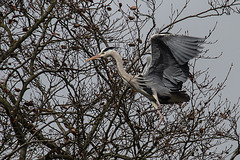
<point>126,77</point>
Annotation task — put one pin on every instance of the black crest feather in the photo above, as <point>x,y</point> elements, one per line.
<point>108,48</point>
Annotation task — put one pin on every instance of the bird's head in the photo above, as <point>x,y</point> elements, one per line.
<point>104,53</point>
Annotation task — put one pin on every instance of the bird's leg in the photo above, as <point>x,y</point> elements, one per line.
<point>157,106</point>
<point>160,115</point>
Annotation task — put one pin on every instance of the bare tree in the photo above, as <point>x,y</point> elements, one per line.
<point>54,105</point>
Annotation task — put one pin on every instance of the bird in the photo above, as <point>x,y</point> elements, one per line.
<point>166,69</point>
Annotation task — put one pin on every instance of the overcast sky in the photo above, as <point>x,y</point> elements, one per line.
<point>227,33</point>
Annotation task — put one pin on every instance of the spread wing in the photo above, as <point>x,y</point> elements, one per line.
<point>170,56</point>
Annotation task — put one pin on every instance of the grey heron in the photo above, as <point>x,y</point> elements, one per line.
<point>166,71</point>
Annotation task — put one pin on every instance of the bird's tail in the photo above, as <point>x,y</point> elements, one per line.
<point>179,97</point>
<point>175,97</point>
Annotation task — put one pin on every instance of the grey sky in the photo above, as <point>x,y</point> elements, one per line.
<point>227,34</point>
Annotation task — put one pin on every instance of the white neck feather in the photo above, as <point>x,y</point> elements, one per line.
<point>126,77</point>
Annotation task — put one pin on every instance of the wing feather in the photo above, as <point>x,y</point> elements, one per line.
<point>170,56</point>
<point>183,48</point>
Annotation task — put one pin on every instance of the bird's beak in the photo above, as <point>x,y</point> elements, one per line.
<point>94,57</point>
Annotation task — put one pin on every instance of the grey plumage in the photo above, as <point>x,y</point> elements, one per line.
<point>169,66</point>
<point>167,70</point>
